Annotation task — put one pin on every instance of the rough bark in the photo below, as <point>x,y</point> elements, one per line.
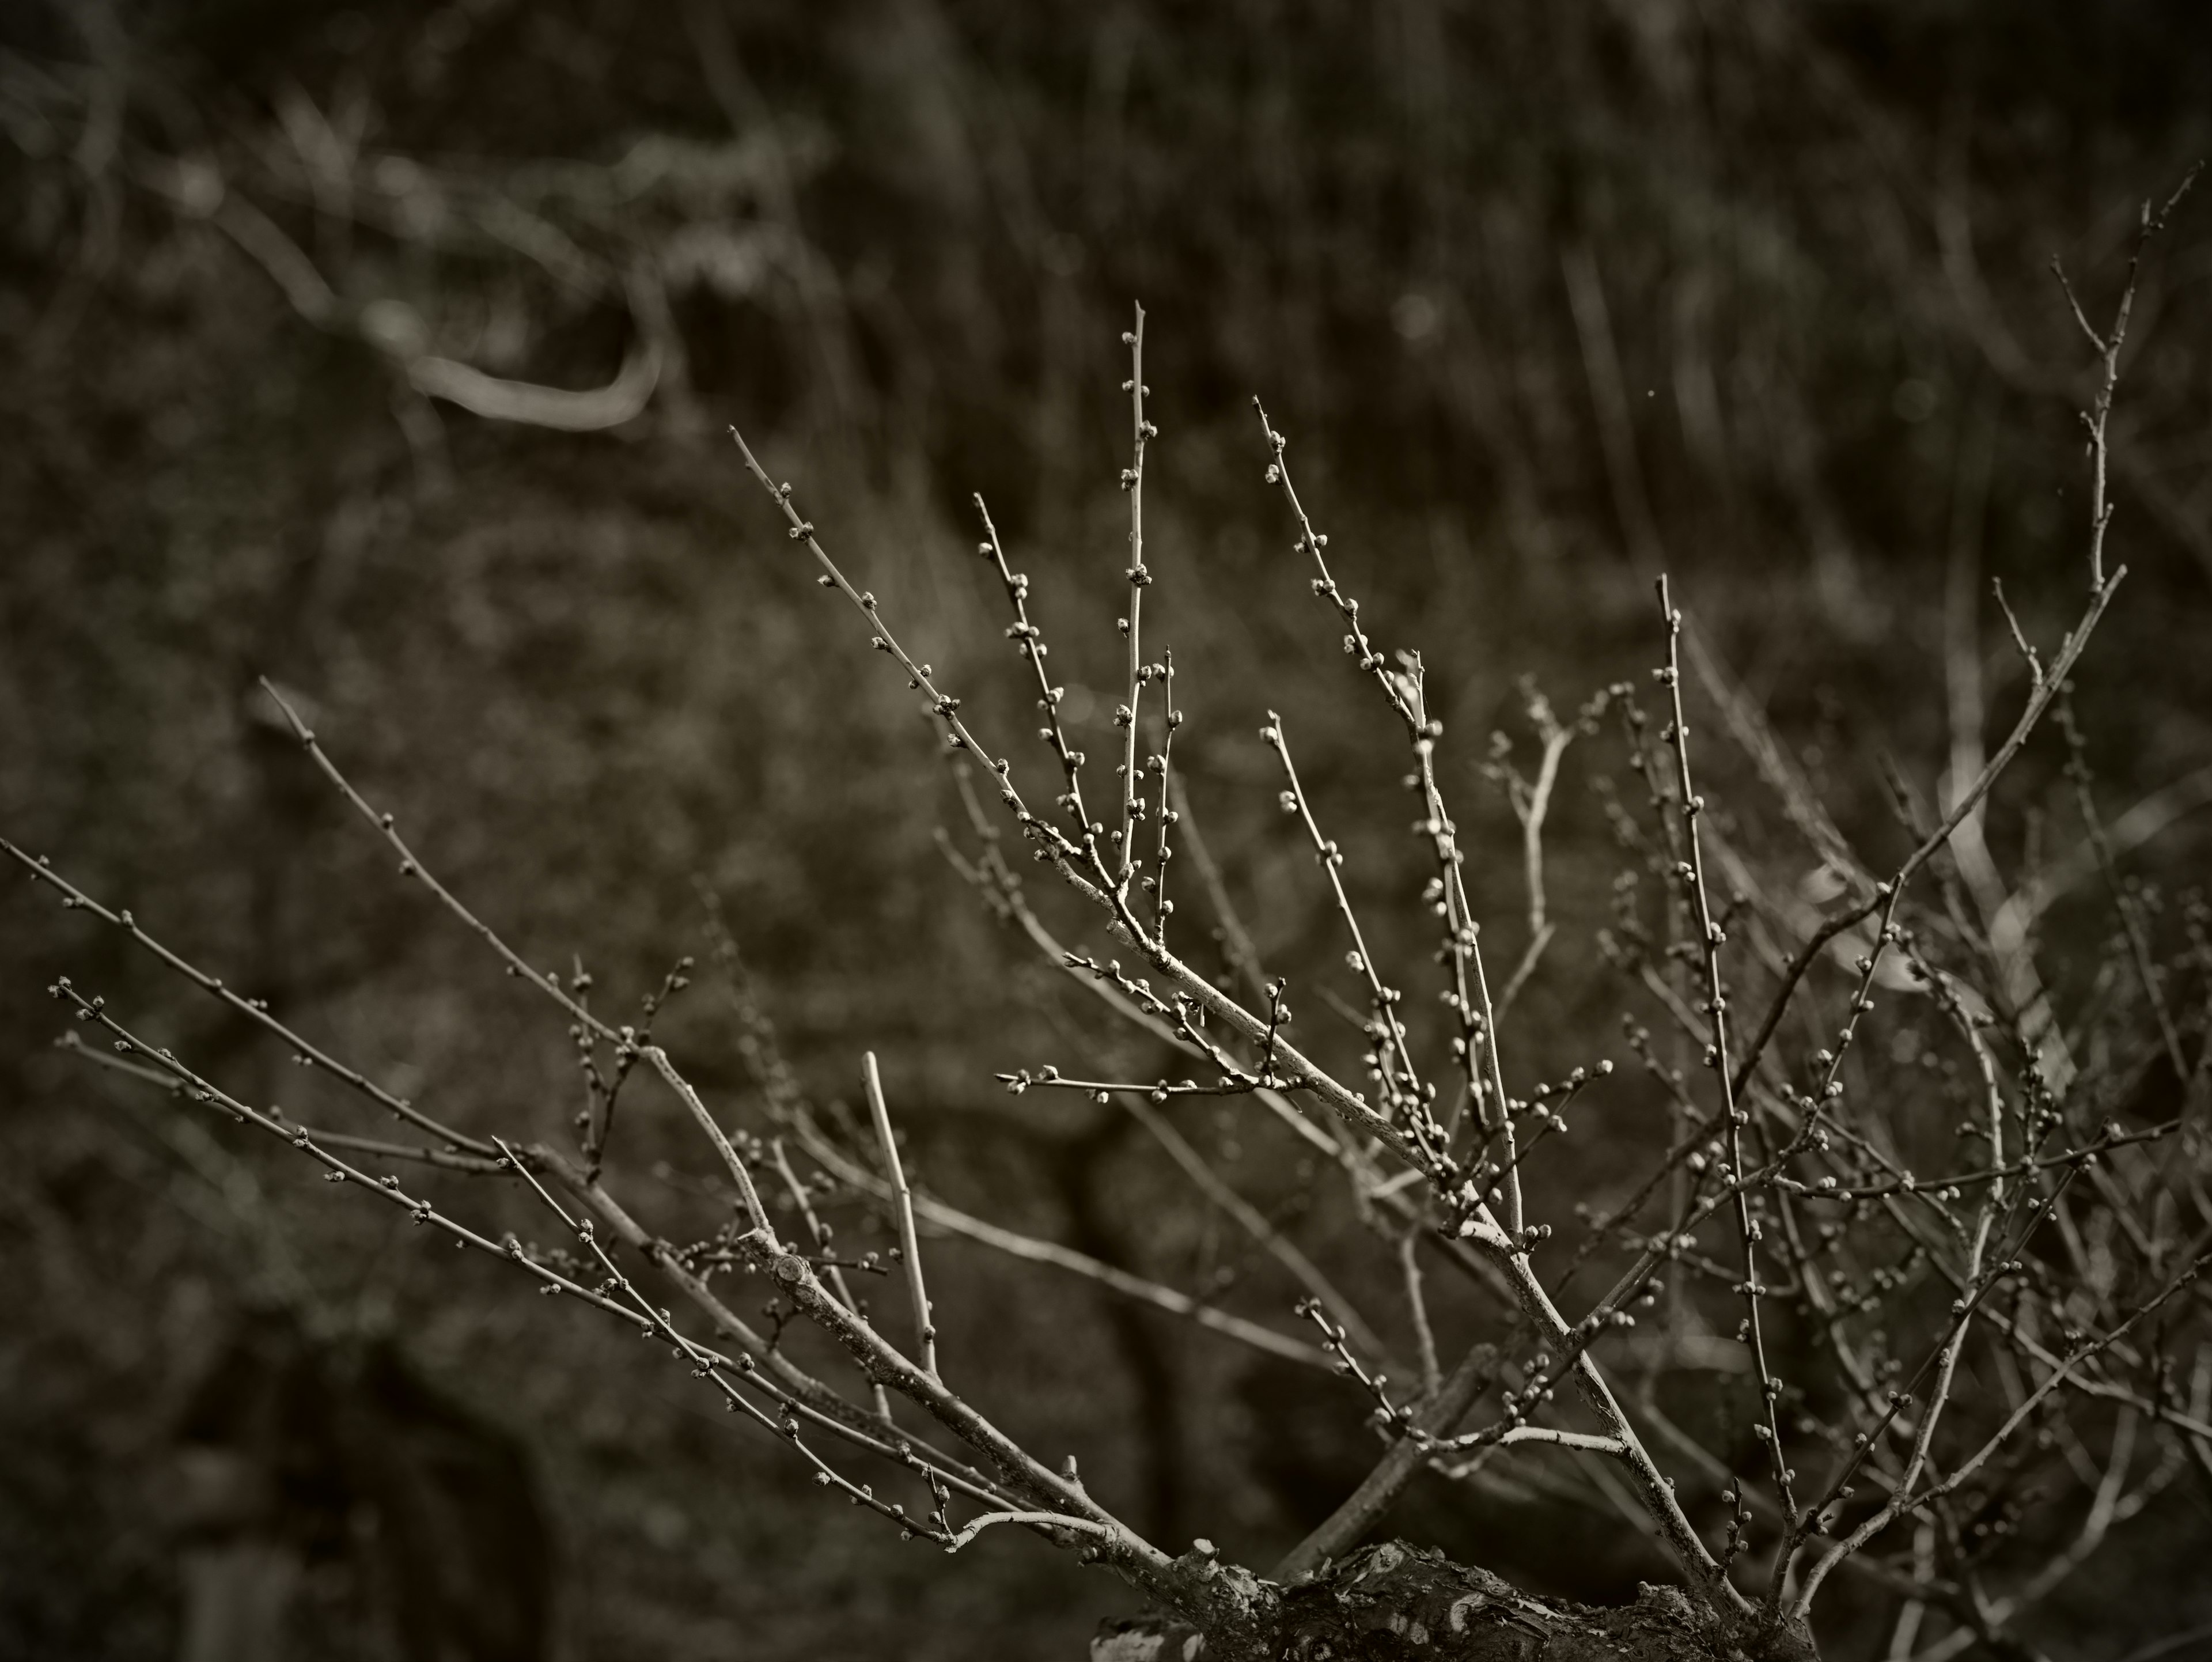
<point>1394,1602</point>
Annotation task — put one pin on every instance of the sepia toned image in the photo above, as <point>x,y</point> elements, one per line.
<point>940,829</point>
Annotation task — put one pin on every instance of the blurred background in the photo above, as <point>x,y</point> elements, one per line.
<point>388,351</point>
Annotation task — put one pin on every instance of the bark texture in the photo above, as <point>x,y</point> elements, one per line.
<point>1394,1602</point>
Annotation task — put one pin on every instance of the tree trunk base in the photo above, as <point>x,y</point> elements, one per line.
<point>1394,1602</point>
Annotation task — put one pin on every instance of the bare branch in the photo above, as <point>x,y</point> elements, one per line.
<point>954,1221</point>
<point>902,1201</point>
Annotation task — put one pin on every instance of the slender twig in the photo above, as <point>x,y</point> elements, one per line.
<point>1255,1223</point>
<point>1906,1498</point>
<point>740,1174</point>
<point>1476,1043</point>
<point>2096,420</point>
<point>1393,1067</point>
<point>1160,763</point>
<point>1139,577</point>
<point>1438,1414</point>
<point>1235,939</point>
<point>2123,902</point>
<point>1046,1522</point>
<point>1029,641</point>
<point>1531,801</point>
<point>1053,845</point>
<point>386,826</point>
<point>902,1200</point>
<point>630,1046</point>
<point>706,1364</point>
<point>1733,1118</point>
<point>415,1153</point>
<point>954,1221</point>
<point>255,1010</point>
<point>820,1232</point>
<point>1417,1309</point>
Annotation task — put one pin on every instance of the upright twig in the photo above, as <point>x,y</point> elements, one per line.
<point>1236,942</point>
<point>748,1195</point>
<point>2124,905</point>
<point>1475,1044</point>
<point>1029,641</point>
<point>1160,763</point>
<point>1396,1078</point>
<point>820,1232</point>
<point>2097,418</point>
<point>1711,938</point>
<point>902,1201</point>
<point>1138,577</point>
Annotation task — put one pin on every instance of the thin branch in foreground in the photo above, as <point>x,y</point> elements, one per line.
<point>1130,788</point>
<point>953,1221</point>
<point>902,1200</point>
<point>1161,763</point>
<point>820,1234</point>
<point>2096,419</point>
<point>255,1009</point>
<point>705,1365</point>
<point>1711,938</point>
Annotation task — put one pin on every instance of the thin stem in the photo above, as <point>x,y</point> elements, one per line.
<point>1476,1043</point>
<point>1032,1251</point>
<point>1733,1118</point>
<point>902,1200</point>
<point>1235,939</point>
<point>1029,641</point>
<point>2096,420</point>
<point>1905,1499</point>
<point>1132,481</point>
<point>747,1194</point>
<point>1053,845</point>
<point>1417,1307</point>
<point>1395,1076</point>
<point>1172,718</point>
<point>548,981</point>
<point>1531,804</point>
<point>1437,1415</point>
<point>2124,904</point>
<point>705,1362</point>
<point>253,1009</point>
<point>1254,1222</point>
<point>819,1234</point>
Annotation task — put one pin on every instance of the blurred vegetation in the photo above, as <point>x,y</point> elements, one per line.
<point>1548,296</point>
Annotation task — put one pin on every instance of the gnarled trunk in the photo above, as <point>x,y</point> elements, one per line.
<point>1394,1602</point>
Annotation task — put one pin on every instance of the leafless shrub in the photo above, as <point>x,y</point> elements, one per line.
<point>1978,1254</point>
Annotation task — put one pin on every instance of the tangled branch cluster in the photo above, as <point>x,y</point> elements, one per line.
<point>2026,1312</point>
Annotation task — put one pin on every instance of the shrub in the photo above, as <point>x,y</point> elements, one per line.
<point>1956,1267</point>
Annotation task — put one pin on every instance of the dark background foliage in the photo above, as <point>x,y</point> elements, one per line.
<point>1546,295</point>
